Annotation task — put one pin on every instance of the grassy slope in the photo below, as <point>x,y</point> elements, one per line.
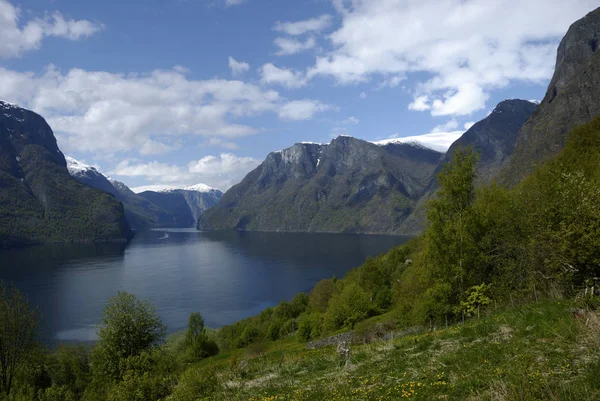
<point>536,352</point>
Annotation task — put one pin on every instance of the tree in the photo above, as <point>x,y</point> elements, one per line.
<point>197,339</point>
<point>320,295</point>
<point>19,330</point>
<point>349,307</point>
<point>452,234</point>
<point>129,326</point>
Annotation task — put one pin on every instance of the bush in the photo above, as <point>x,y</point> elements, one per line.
<point>196,384</point>
<point>348,308</point>
<point>198,344</point>
<point>249,335</point>
<point>309,326</point>
<point>68,367</point>
<point>274,330</point>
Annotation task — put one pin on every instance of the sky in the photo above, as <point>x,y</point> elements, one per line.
<point>170,93</point>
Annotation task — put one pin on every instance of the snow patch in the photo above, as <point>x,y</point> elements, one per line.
<point>203,188</point>
<point>77,168</point>
<point>8,105</point>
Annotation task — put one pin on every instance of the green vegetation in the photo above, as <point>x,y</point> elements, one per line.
<point>498,300</point>
<point>50,206</point>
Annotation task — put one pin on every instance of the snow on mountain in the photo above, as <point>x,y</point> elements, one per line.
<point>77,168</point>
<point>438,141</point>
<point>200,188</point>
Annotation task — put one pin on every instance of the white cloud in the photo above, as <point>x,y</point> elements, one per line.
<point>420,103</point>
<point>272,75</point>
<point>289,46</point>
<point>95,111</point>
<point>301,110</point>
<point>307,26</point>
<point>468,125</point>
<point>220,143</point>
<point>238,67</point>
<point>363,95</point>
<point>152,147</point>
<point>450,125</point>
<point>17,39</point>
<point>221,172</point>
<point>351,120</point>
<point>462,48</point>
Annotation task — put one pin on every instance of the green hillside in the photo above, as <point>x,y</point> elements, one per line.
<point>497,300</point>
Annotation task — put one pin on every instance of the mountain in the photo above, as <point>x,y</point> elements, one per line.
<point>186,205</point>
<point>140,213</point>
<point>39,200</point>
<point>174,208</point>
<point>572,98</point>
<point>493,138</point>
<point>348,185</point>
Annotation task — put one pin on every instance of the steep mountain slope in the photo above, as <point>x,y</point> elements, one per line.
<point>572,98</point>
<point>349,185</point>
<point>186,205</point>
<point>493,138</point>
<point>140,212</point>
<point>39,200</point>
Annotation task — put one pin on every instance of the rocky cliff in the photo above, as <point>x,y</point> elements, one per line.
<point>572,98</point>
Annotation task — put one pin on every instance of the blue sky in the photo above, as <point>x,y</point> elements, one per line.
<point>176,92</point>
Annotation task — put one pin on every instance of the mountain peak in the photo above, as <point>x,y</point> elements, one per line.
<point>77,168</point>
<point>200,187</point>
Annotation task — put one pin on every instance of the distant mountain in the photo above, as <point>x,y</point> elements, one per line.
<point>572,98</point>
<point>186,205</point>
<point>141,214</point>
<point>39,200</point>
<point>175,208</point>
<point>348,185</point>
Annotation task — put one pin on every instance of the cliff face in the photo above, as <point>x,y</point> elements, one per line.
<point>348,185</point>
<point>572,98</point>
<point>39,200</point>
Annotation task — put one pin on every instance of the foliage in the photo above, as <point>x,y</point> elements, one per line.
<point>348,308</point>
<point>19,329</point>
<point>476,299</point>
<point>129,326</point>
<point>198,344</point>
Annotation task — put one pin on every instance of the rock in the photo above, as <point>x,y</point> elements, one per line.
<point>572,98</point>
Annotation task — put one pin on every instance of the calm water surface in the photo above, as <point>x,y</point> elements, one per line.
<point>226,275</point>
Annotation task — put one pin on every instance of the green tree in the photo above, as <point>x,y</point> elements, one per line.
<point>129,326</point>
<point>197,340</point>
<point>451,237</point>
<point>351,306</point>
<point>476,299</point>
<point>320,295</point>
<point>19,330</point>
